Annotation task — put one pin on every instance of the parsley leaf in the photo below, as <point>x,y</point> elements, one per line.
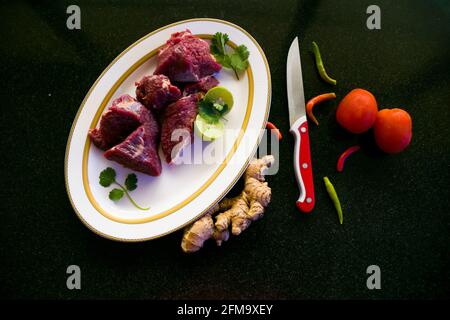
<point>107,177</point>
<point>131,182</point>
<point>210,111</point>
<point>237,60</point>
<point>207,111</point>
<point>218,42</point>
<point>116,194</point>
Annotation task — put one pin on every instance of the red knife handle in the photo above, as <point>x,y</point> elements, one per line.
<point>302,165</point>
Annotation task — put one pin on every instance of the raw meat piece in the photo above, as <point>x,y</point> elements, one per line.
<point>140,150</point>
<point>186,58</point>
<point>131,131</point>
<point>178,115</point>
<point>203,85</point>
<point>97,138</point>
<point>122,118</point>
<point>156,91</point>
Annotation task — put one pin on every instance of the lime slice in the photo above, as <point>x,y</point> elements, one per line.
<point>208,131</point>
<point>221,96</point>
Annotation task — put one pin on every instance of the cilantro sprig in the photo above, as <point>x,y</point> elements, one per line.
<point>236,60</point>
<point>108,177</point>
<point>210,111</point>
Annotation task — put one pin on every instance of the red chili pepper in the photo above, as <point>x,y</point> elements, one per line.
<point>271,126</point>
<point>344,156</point>
<point>320,98</point>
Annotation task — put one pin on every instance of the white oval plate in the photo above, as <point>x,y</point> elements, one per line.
<point>182,193</point>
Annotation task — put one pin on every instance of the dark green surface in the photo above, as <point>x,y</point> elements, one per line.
<point>396,208</point>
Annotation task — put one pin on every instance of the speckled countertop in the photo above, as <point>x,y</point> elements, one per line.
<point>396,207</point>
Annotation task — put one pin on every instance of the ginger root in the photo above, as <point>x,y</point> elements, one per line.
<point>237,212</point>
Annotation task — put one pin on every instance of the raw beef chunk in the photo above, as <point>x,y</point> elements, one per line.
<point>97,138</point>
<point>156,91</point>
<point>186,58</point>
<point>140,150</point>
<point>131,131</point>
<point>178,115</point>
<point>203,85</point>
<point>117,123</point>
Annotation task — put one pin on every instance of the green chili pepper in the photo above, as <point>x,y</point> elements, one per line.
<point>320,66</point>
<point>334,198</point>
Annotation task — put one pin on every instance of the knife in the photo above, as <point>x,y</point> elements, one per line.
<point>299,128</point>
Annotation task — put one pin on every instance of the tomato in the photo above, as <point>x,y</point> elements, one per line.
<point>357,111</point>
<point>393,130</point>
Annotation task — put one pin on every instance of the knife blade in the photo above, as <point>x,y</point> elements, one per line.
<point>299,129</point>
